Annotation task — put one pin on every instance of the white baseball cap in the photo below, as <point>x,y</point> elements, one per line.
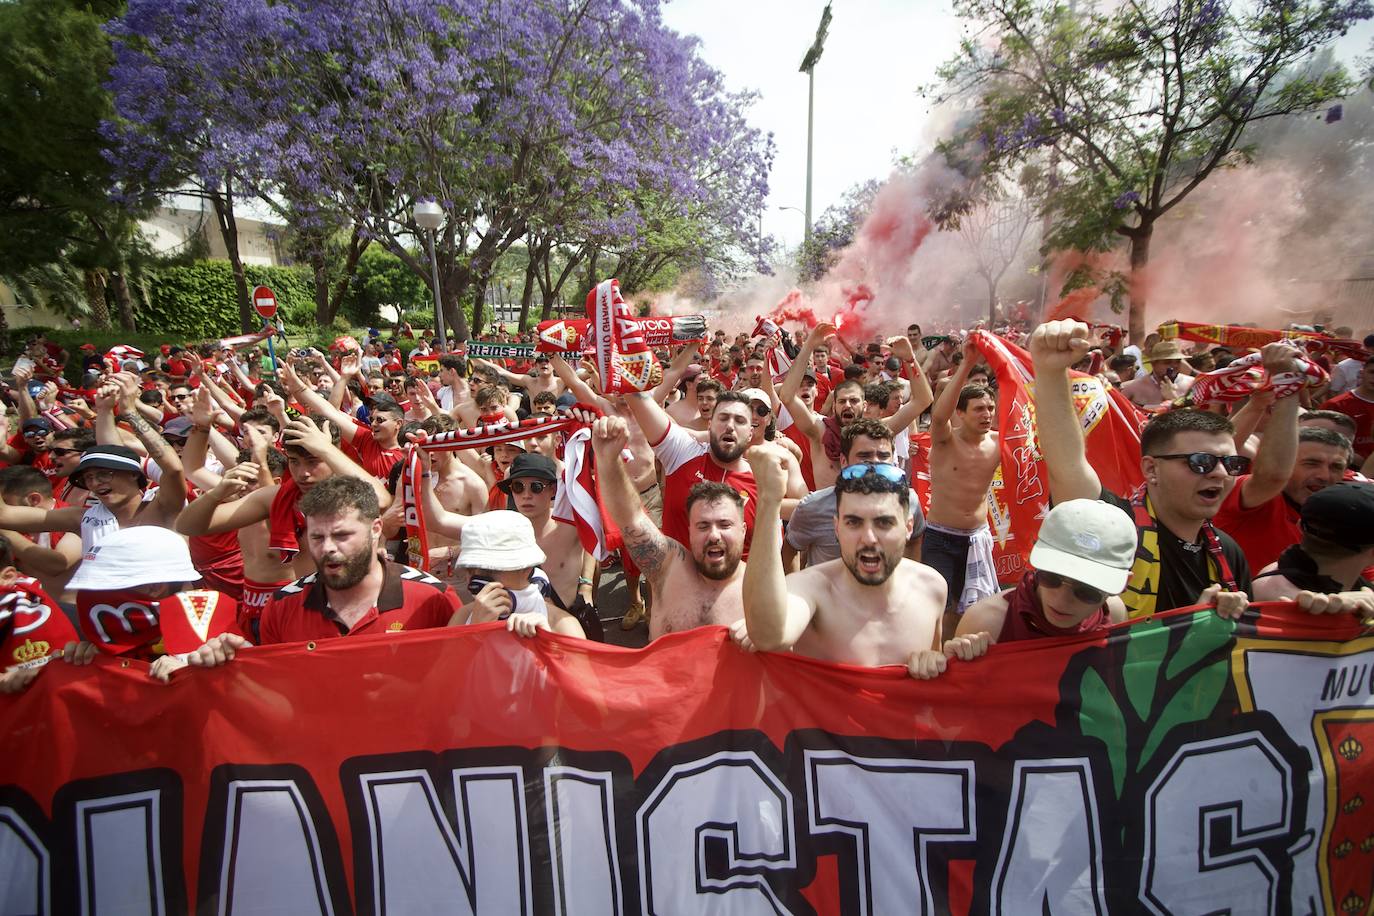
<point>756,394</point>
<point>499,540</point>
<point>1089,541</point>
<point>129,557</point>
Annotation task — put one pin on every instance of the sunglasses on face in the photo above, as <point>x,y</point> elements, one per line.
<point>762,411</point>
<point>1085,593</point>
<point>181,397</point>
<point>1204,462</point>
<point>40,433</point>
<point>518,487</point>
<point>64,452</point>
<point>889,472</point>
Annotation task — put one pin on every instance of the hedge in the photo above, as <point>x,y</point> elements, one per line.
<point>198,300</point>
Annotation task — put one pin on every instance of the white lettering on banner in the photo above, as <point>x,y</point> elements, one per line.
<point>1204,826</point>
<point>119,854</point>
<point>1295,687</point>
<point>24,863</point>
<point>272,859</point>
<point>732,797</point>
<point>894,810</point>
<point>1051,858</point>
<point>717,831</point>
<point>583,855</point>
<point>422,863</point>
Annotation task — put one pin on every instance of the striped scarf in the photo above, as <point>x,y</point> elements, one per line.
<point>1142,589</point>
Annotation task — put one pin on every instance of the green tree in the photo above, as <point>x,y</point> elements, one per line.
<point>1128,108</point>
<point>385,288</point>
<point>55,179</point>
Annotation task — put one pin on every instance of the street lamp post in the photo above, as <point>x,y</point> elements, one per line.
<point>429,216</point>
<point>808,66</point>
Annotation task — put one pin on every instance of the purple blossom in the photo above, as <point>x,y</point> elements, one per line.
<point>1126,200</point>
<point>1334,113</point>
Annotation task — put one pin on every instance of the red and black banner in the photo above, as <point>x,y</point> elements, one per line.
<point>1183,764</point>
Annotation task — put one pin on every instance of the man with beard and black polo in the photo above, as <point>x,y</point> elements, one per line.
<point>353,590</point>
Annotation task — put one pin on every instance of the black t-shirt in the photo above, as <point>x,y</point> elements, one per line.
<point>1184,570</point>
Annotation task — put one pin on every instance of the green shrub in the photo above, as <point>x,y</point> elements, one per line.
<point>199,299</point>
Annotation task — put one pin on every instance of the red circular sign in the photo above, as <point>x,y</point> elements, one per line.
<point>265,302</point>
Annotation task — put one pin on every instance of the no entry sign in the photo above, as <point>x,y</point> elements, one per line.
<point>265,302</point>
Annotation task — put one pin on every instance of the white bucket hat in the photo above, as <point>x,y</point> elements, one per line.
<point>500,540</point>
<point>129,557</point>
<point>1089,541</point>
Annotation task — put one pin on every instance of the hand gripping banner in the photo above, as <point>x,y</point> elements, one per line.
<point>1183,764</point>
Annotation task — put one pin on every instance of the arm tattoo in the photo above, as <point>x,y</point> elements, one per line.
<point>649,548</point>
<point>151,438</point>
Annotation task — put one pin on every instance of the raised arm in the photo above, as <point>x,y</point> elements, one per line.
<point>510,378</point>
<point>921,397</point>
<point>648,547</point>
<point>197,442</point>
<point>304,434</point>
<point>650,416</point>
<point>1054,347</point>
<point>1278,447</point>
<point>672,373</point>
<point>578,388</point>
<point>171,490</point>
<point>310,399</point>
<point>220,509</point>
<point>791,383</point>
<point>774,617</point>
<point>943,411</point>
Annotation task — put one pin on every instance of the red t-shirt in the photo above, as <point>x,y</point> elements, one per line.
<point>1362,412</point>
<point>796,435</point>
<point>1262,531</point>
<point>687,461</point>
<point>374,459</point>
<point>409,600</point>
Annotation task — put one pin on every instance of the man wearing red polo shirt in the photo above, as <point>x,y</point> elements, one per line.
<point>1358,404</point>
<point>353,591</point>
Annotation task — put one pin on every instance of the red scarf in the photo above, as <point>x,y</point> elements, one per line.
<point>830,440</point>
<point>1026,617</point>
<point>284,521</point>
<point>120,622</point>
<point>31,625</point>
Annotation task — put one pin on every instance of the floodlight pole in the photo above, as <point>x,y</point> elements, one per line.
<point>808,66</point>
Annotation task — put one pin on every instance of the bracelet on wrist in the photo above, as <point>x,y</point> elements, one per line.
<point>583,580</point>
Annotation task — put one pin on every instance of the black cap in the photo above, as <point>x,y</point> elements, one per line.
<point>1342,513</point>
<point>530,464</point>
<point>381,401</point>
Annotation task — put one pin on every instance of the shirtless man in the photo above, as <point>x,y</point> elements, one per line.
<point>543,379</point>
<point>872,606</point>
<point>693,585</point>
<point>963,461</point>
<point>1164,382</point>
<point>847,405</point>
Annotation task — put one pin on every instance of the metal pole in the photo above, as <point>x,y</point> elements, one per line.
<point>810,125</point>
<point>272,351</point>
<point>442,338</point>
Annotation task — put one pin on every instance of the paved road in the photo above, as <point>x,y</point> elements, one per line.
<point>611,602</point>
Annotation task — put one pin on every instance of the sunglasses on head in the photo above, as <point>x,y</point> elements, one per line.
<point>1085,593</point>
<point>889,472</point>
<point>518,487</point>
<point>1203,462</point>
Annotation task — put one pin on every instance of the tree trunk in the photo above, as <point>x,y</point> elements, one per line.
<point>527,294</point>
<point>229,230</point>
<point>356,246</point>
<point>455,285</point>
<point>992,303</point>
<point>1140,257</point>
<point>479,298</point>
<point>123,300</point>
<point>319,271</point>
<point>95,297</point>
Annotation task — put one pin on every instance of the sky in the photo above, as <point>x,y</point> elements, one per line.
<point>868,108</point>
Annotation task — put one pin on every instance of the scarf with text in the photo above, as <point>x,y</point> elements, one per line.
<point>1142,589</point>
<point>577,498</point>
<point>1227,335</point>
<point>32,626</point>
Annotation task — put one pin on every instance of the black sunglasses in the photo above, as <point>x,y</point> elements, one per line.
<point>762,411</point>
<point>518,487</point>
<point>1203,462</point>
<point>64,452</point>
<point>1085,593</point>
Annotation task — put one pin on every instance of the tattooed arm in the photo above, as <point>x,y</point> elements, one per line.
<point>648,547</point>
<point>171,489</point>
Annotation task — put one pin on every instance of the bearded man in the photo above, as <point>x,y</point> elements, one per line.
<point>353,590</point>
<point>693,584</point>
<point>872,606</point>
